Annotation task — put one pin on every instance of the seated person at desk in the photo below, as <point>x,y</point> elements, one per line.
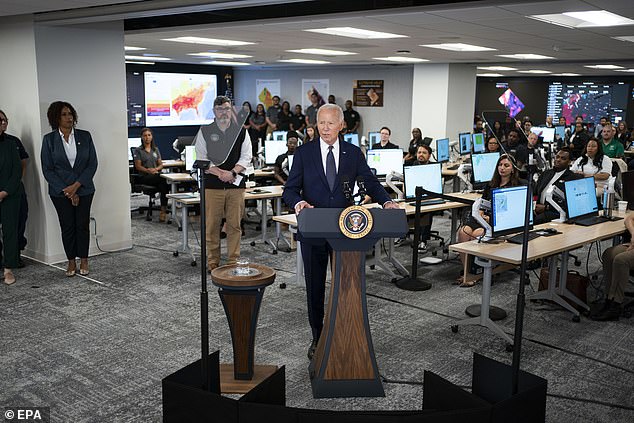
<point>525,151</point>
<point>422,155</point>
<point>506,175</point>
<point>618,261</point>
<point>559,173</point>
<point>512,142</point>
<point>416,141</point>
<point>147,161</point>
<point>492,145</point>
<point>593,163</point>
<point>578,139</point>
<point>611,146</point>
<point>281,167</point>
<point>385,142</point>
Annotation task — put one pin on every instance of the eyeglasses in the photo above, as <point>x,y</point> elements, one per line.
<point>223,109</point>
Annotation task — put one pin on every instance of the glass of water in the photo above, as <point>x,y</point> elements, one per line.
<point>242,267</point>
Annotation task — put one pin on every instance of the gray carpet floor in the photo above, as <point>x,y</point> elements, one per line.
<point>95,349</point>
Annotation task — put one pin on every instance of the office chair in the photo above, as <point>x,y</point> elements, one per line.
<point>138,187</point>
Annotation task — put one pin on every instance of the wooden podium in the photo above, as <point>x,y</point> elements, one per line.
<point>344,364</point>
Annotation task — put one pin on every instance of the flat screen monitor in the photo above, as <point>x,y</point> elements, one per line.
<point>352,139</point>
<point>478,142</point>
<point>279,136</point>
<point>484,166</point>
<point>465,143</point>
<point>428,176</point>
<point>508,206</point>
<point>581,197</point>
<point>544,133</point>
<point>628,188</point>
<point>373,138</point>
<point>560,131</point>
<point>190,156</point>
<point>181,142</point>
<point>385,161</point>
<point>133,143</point>
<point>272,149</point>
<point>442,150</point>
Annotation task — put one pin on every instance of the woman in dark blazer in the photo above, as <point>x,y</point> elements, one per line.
<point>69,163</point>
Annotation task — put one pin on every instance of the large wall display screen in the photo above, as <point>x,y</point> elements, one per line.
<point>179,99</point>
<point>592,100</point>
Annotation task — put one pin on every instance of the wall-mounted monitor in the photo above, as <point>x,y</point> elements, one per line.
<point>352,139</point>
<point>508,206</point>
<point>133,143</point>
<point>428,176</point>
<point>464,142</point>
<point>484,166</point>
<point>272,149</point>
<point>179,99</point>
<point>385,161</point>
<point>279,136</point>
<point>373,138</point>
<point>478,142</point>
<point>442,150</point>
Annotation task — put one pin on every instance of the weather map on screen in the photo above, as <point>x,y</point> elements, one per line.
<point>179,99</point>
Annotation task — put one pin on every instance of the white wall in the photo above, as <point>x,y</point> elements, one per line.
<point>396,101</point>
<point>85,66</point>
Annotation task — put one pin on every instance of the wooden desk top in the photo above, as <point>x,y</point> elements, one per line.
<point>629,152</point>
<point>173,163</point>
<point>177,177</point>
<point>261,173</point>
<point>571,237</point>
<point>185,198</point>
<point>225,278</point>
<point>272,191</point>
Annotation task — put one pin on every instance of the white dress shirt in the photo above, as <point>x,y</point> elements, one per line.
<point>324,153</point>
<point>70,147</point>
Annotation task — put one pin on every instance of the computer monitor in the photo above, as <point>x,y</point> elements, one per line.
<point>352,139</point>
<point>385,161</point>
<point>373,138</point>
<point>133,143</point>
<point>428,176</point>
<point>442,150</point>
<point>183,141</point>
<point>581,198</point>
<point>478,142</point>
<point>464,143</point>
<point>279,136</point>
<point>628,188</point>
<point>272,149</point>
<point>190,156</point>
<point>545,134</point>
<point>508,207</point>
<point>560,131</point>
<point>484,166</point>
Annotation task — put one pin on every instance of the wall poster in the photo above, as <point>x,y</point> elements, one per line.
<point>321,87</point>
<point>367,92</point>
<point>265,90</point>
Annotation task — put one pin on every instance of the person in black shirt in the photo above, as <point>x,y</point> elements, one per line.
<point>284,117</point>
<point>385,143</point>
<point>298,120</point>
<point>352,119</point>
<point>282,168</point>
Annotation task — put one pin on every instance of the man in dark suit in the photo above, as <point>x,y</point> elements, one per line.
<point>557,175</point>
<point>315,181</point>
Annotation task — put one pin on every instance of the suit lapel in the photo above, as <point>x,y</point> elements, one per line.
<point>60,142</point>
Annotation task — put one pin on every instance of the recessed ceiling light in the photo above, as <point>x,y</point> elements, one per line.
<point>566,74</point>
<point>347,31</point>
<point>591,18</point>
<point>321,52</point>
<point>457,47</point>
<point>525,56</point>
<point>603,67</point>
<point>497,68</point>
<point>208,41</point>
<point>629,38</point>
<point>624,70</point>
<point>139,63</point>
<point>130,48</point>
<point>489,75</point>
<point>151,54</point>
<point>535,71</point>
<point>145,58</point>
<point>304,61</point>
<point>225,63</point>
<point>401,59</point>
<point>220,55</point>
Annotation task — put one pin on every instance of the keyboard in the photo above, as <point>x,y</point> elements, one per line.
<point>594,220</point>
<point>428,202</point>
<point>518,238</point>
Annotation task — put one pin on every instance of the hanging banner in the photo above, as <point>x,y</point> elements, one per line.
<point>265,90</point>
<point>320,87</point>
<point>367,92</point>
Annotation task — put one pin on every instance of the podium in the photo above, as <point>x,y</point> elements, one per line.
<point>344,364</point>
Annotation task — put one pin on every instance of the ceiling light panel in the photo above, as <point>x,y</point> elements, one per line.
<point>401,59</point>
<point>347,31</point>
<point>489,75</point>
<point>208,41</point>
<point>321,52</point>
<point>603,67</point>
<point>525,56</point>
<point>586,19</point>
<point>220,55</point>
<point>624,70</point>
<point>304,61</point>
<point>225,63</point>
<point>146,58</point>
<point>131,48</point>
<point>458,47</point>
<point>496,68</point>
<point>535,71</point>
<point>629,38</point>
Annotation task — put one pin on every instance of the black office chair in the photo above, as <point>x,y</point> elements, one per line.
<point>138,187</point>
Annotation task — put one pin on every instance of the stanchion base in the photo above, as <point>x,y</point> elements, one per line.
<point>495,313</point>
<point>230,385</point>
<point>411,284</point>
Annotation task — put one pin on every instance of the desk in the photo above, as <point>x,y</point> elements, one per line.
<point>490,255</point>
<point>263,194</point>
<point>185,200</point>
<point>173,179</point>
<point>261,173</point>
<point>173,163</point>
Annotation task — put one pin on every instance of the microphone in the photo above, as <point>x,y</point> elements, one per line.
<point>347,192</point>
<point>361,185</point>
